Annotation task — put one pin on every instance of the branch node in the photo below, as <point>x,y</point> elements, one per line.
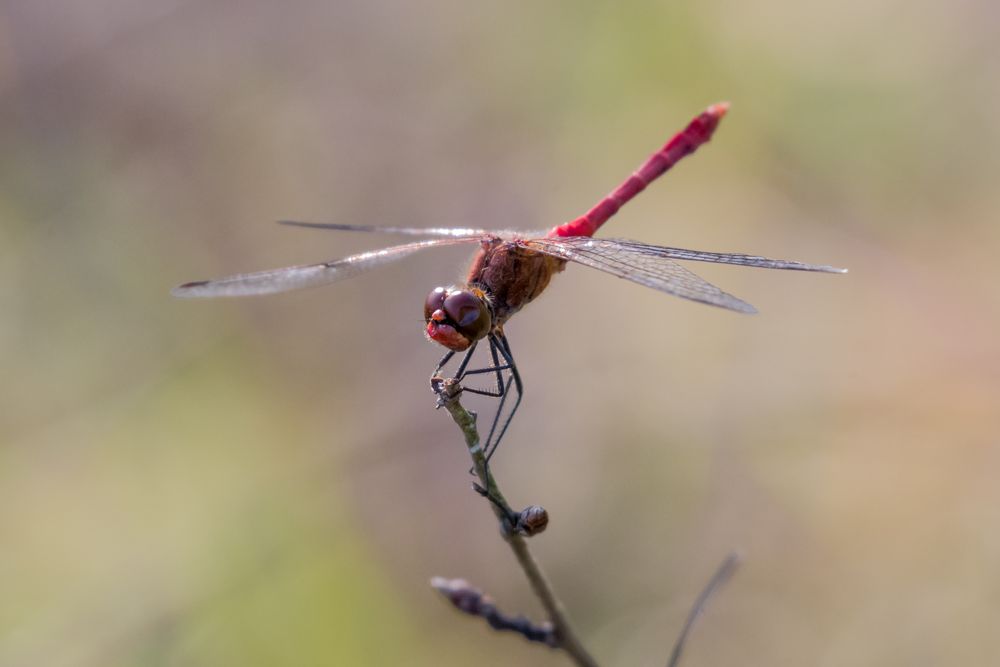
<point>447,389</point>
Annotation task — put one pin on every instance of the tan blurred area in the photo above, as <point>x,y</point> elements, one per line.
<point>266,481</point>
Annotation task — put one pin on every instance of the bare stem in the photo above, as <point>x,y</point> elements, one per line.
<point>566,637</point>
<point>474,602</point>
<point>721,576</point>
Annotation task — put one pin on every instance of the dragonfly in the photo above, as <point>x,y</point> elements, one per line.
<point>512,268</point>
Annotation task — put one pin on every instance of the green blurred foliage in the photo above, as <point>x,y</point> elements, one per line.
<point>265,482</point>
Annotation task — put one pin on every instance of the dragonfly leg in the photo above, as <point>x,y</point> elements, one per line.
<point>502,361</point>
<point>460,373</point>
<point>488,369</point>
<point>444,360</point>
<point>494,393</point>
<point>436,375</point>
<point>503,346</point>
<point>496,368</point>
<point>503,389</point>
<point>436,378</point>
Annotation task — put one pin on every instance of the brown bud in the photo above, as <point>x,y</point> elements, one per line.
<point>532,520</point>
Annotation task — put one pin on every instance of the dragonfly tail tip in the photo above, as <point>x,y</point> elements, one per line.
<point>719,109</point>
<point>186,290</point>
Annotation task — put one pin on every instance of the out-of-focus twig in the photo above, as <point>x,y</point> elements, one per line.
<point>474,602</point>
<point>512,527</point>
<point>720,577</point>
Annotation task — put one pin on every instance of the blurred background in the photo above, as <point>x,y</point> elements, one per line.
<point>266,481</point>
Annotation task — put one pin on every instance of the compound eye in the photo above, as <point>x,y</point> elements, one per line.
<point>469,313</point>
<point>434,301</point>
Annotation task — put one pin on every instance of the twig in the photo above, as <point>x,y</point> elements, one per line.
<point>720,577</point>
<point>563,633</point>
<point>474,602</point>
<point>515,526</point>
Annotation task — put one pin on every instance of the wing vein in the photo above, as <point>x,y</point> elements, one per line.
<point>657,272</point>
<point>308,275</point>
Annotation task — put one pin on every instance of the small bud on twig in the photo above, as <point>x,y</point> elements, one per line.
<point>532,520</point>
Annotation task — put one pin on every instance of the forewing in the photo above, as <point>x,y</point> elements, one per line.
<point>723,257</point>
<point>449,232</point>
<point>654,271</point>
<point>309,275</point>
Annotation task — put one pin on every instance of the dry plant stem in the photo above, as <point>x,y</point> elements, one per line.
<point>568,641</point>
<point>721,576</point>
<point>469,600</point>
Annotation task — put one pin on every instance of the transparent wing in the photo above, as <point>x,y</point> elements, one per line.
<point>450,232</point>
<point>723,257</point>
<point>309,275</point>
<point>647,269</point>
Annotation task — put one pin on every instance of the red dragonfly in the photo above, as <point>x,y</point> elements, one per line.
<point>512,268</point>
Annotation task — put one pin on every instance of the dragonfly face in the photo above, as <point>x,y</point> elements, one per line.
<point>457,318</point>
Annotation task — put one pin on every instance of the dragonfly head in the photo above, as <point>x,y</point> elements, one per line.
<point>457,317</point>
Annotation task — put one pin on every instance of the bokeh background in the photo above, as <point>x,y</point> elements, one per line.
<point>266,482</point>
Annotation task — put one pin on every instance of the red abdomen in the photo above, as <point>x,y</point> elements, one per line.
<point>685,142</point>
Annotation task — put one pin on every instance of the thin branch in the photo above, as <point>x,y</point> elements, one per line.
<point>565,637</point>
<point>721,576</point>
<point>474,602</point>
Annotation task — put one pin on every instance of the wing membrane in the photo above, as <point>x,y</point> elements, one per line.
<point>724,258</point>
<point>451,232</point>
<point>308,275</point>
<point>658,272</point>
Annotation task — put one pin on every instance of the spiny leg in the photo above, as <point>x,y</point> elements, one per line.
<point>503,391</point>
<point>436,375</point>
<point>497,368</point>
<point>463,371</point>
<point>490,443</point>
<point>503,346</point>
<point>503,388</point>
<point>499,347</point>
<point>460,373</point>
<point>444,360</point>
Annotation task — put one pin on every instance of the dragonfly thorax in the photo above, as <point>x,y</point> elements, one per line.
<point>457,317</point>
